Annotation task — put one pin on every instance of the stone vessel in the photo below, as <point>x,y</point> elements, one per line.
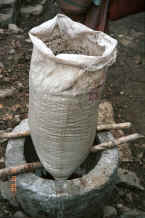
<point>81,196</point>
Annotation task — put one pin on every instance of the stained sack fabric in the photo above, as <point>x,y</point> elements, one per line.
<point>67,73</point>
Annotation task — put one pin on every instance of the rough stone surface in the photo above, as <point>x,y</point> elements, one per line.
<point>11,51</point>
<point>133,214</point>
<point>110,212</point>
<point>43,2</point>
<point>32,10</point>
<point>129,178</point>
<point>20,214</point>
<point>28,40</point>
<point>80,198</point>
<point>6,92</point>
<point>14,28</point>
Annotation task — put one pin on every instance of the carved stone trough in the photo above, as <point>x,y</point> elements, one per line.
<point>81,196</point>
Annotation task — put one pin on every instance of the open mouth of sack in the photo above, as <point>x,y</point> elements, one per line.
<point>60,46</point>
<point>79,45</point>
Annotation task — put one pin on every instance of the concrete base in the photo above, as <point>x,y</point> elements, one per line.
<point>82,197</point>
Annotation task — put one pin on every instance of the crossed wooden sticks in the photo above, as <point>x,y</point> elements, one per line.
<point>28,167</point>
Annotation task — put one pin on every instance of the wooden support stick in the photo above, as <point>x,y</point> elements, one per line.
<point>11,135</point>
<point>113,126</point>
<point>115,142</point>
<point>28,167</point>
<point>4,173</point>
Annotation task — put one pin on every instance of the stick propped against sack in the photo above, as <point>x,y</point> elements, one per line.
<point>23,168</point>
<point>10,135</point>
<point>115,142</point>
<point>113,126</point>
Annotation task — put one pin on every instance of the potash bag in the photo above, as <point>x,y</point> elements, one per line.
<point>67,73</point>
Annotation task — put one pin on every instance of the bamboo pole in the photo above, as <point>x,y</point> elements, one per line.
<point>11,135</point>
<point>113,126</point>
<point>28,167</point>
<point>115,142</point>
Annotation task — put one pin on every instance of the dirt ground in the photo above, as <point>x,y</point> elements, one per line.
<point>125,88</point>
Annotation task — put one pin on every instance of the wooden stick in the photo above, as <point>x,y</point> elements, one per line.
<point>115,142</point>
<point>29,167</point>
<point>4,173</point>
<point>113,126</point>
<point>11,135</point>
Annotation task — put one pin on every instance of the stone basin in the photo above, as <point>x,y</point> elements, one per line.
<point>83,195</point>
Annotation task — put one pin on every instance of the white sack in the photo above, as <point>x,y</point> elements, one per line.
<point>65,89</point>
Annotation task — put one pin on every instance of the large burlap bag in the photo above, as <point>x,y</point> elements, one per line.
<point>67,74</point>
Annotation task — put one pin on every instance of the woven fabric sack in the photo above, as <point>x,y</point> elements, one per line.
<point>67,73</point>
